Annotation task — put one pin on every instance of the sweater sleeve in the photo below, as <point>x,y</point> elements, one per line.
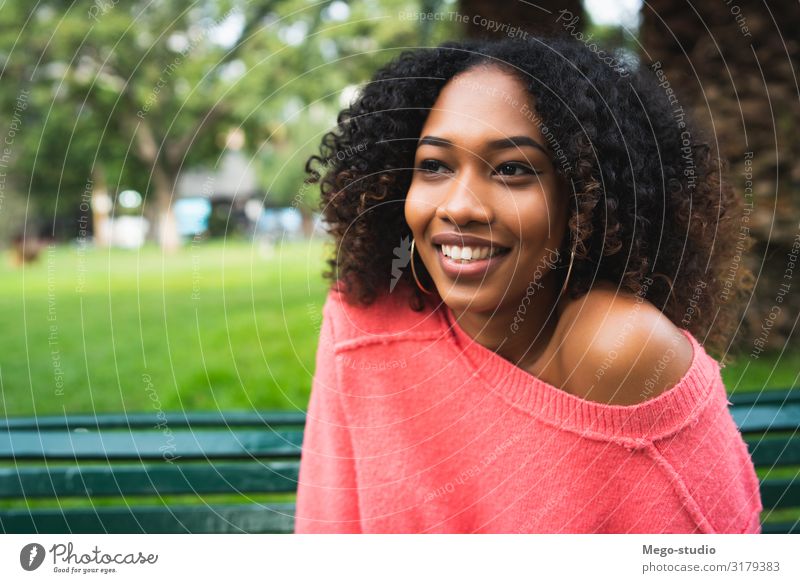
<point>327,495</point>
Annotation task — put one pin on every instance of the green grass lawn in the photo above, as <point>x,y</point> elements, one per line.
<point>214,326</point>
<point>773,370</point>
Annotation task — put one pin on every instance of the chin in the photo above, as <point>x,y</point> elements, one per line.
<point>461,298</point>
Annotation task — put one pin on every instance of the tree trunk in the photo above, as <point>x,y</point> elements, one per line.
<point>164,181</point>
<point>166,225</point>
<point>308,221</point>
<point>731,65</point>
<point>101,207</point>
<point>495,19</point>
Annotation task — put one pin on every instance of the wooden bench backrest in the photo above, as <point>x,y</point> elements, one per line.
<point>770,424</point>
<point>143,455</point>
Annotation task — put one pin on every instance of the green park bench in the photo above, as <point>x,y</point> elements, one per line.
<point>770,424</point>
<point>84,473</point>
<point>108,457</point>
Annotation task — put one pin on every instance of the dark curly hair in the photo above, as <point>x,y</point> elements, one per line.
<point>650,210</point>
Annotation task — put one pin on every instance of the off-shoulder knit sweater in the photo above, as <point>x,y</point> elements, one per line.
<point>413,427</point>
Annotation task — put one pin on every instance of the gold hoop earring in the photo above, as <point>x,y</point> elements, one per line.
<point>414,271</point>
<point>569,272</point>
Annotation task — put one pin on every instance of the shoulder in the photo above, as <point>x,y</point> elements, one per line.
<point>389,317</point>
<point>619,349</point>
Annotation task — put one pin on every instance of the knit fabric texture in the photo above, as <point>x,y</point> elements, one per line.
<point>413,427</point>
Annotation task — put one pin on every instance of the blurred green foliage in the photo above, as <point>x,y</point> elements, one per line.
<point>139,91</point>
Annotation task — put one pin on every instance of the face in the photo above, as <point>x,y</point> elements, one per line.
<point>485,206</point>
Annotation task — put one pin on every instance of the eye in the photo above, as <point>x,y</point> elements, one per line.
<point>515,169</point>
<point>431,166</point>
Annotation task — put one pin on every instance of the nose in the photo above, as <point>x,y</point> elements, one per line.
<point>463,202</point>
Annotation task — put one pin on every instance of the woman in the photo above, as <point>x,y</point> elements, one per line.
<point>529,245</point>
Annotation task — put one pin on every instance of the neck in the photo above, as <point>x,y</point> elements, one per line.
<point>520,331</point>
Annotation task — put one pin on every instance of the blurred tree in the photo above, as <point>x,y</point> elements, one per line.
<point>734,66</point>
<point>140,90</point>
<point>129,91</point>
<point>487,17</point>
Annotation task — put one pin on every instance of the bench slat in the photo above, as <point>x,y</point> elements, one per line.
<point>186,444</point>
<point>774,417</point>
<point>153,420</point>
<point>781,493</point>
<point>780,527</point>
<point>786,396</point>
<point>774,451</point>
<point>228,518</point>
<point>148,480</point>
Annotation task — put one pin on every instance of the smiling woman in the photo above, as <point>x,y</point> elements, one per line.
<point>556,240</point>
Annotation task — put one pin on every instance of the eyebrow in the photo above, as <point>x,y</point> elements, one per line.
<point>502,144</point>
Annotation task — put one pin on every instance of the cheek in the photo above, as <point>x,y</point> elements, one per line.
<point>534,219</point>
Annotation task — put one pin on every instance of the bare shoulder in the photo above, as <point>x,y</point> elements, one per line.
<point>619,349</point>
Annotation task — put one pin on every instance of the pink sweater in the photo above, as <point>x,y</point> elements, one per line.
<point>413,427</point>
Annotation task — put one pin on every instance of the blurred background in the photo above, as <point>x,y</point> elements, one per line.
<point>160,245</point>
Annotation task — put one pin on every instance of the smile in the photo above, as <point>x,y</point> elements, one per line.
<point>470,261</point>
<point>465,254</point>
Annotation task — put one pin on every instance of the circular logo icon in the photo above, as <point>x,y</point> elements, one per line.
<point>31,556</point>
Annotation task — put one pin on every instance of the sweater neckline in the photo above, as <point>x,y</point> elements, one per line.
<point>648,420</point>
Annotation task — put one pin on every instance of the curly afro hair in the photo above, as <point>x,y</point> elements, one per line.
<point>650,210</point>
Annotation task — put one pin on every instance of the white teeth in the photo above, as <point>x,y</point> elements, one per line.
<point>468,253</point>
